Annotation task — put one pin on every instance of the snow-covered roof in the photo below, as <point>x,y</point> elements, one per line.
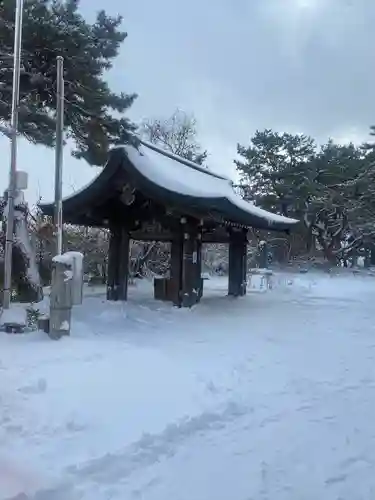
<point>184,161</point>
<point>171,180</point>
<point>185,179</point>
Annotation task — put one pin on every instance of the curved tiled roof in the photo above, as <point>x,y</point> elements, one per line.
<point>169,179</point>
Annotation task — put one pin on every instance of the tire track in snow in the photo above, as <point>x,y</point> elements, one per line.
<point>152,447</point>
<point>114,468</point>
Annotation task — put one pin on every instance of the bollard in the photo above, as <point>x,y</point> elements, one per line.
<point>77,280</point>
<point>262,255</point>
<point>61,296</point>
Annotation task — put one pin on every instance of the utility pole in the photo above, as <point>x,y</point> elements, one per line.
<point>13,156</point>
<point>59,155</point>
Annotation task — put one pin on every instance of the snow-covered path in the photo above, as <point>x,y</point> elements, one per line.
<point>270,396</point>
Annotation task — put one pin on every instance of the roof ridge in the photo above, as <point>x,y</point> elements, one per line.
<point>183,161</point>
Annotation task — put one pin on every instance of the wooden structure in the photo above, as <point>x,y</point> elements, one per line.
<point>148,194</point>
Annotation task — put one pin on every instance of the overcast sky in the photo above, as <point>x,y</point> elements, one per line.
<point>238,65</point>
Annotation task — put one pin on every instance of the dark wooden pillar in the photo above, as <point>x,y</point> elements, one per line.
<point>372,255</point>
<point>118,264</point>
<point>237,263</point>
<point>176,270</point>
<point>198,267</point>
<point>186,266</point>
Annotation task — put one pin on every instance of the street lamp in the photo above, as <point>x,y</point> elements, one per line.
<point>13,156</point>
<point>58,218</point>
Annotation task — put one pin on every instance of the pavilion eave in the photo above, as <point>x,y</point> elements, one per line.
<point>184,191</point>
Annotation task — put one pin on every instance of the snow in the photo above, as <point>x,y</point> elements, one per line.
<point>77,258</point>
<point>260,270</point>
<point>77,276</point>
<point>181,160</point>
<point>192,180</point>
<point>22,239</point>
<point>270,396</point>
<point>15,315</point>
<point>68,275</point>
<point>64,326</point>
<point>63,259</point>
<point>182,179</point>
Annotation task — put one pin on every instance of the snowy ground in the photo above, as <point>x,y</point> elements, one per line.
<point>267,397</point>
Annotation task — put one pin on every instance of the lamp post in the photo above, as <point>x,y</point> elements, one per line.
<point>13,156</point>
<point>59,155</point>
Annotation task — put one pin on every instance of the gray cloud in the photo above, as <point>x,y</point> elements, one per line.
<point>303,65</point>
<point>296,65</point>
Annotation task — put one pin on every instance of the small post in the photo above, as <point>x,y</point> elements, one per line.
<point>59,154</point>
<point>13,157</point>
<point>263,255</point>
<point>61,296</point>
<point>77,280</point>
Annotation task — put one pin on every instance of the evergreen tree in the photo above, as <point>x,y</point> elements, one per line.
<point>276,170</point>
<point>330,189</point>
<point>93,112</point>
<point>333,208</point>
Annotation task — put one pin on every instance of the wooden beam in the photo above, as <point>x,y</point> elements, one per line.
<point>146,236</point>
<point>215,237</point>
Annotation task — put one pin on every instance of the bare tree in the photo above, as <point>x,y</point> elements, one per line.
<point>177,134</point>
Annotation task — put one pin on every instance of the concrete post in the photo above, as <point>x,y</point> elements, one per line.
<point>263,255</point>
<point>61,296</point>
<point>77,280</point>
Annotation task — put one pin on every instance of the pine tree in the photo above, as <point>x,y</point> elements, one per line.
<point>276,171</point>
<point>93,113</point>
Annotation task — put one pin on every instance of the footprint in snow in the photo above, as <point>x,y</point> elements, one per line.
<point>39,388</point>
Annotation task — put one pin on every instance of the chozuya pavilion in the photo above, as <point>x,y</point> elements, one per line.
<point>148,194</point>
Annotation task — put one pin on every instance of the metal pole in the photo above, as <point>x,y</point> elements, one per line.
<point>13,156</point>
<point>59,154</point>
